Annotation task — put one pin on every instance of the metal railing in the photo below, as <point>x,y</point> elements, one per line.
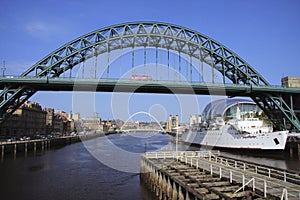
<point>257,169</point>
<point>174,154</point>
<point>261,178</point>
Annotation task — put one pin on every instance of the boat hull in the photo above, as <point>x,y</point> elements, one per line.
<point>228,137</point>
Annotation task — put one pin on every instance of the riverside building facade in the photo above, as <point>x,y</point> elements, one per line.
<point>28,120</point>
<point>31,119</point>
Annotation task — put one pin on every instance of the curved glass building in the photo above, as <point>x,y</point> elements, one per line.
<point>228,109</point>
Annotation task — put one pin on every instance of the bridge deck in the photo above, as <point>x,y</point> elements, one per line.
<point>123,85</point>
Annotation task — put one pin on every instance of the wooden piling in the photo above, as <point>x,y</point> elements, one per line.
<point>25,148</point>
<point>171,177</point>
<point>15,150</point>
<point>42,145</point>
<point>2,151</point>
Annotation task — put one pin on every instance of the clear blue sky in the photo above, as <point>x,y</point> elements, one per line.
<point>265,33</point>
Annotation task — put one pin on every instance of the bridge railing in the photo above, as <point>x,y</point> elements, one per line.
<point>8,77</point>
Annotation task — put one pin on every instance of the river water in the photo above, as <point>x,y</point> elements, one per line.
<point>101,168</point>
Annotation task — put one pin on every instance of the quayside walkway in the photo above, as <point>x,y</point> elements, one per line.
<point>206,175</point>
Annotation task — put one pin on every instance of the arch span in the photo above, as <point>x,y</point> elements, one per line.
<point>146,113</point>
<point>158,35</point>
<point>150,34</point>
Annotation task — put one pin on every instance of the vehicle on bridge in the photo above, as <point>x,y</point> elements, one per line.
<point>142,77</point>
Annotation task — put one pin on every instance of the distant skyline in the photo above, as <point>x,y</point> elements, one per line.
<point>263,33</point>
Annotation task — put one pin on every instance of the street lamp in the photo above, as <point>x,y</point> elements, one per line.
<point>3,68</point>
<point>176,140</point>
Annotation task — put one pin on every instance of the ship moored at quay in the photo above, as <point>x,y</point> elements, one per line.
<point>235,124</point>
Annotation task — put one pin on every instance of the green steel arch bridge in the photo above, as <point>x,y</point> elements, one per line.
<point>150,57</point>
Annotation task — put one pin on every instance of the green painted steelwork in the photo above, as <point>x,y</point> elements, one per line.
<point>152,86</point>
<point>150,34</point>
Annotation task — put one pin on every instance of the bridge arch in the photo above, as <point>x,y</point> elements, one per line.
<point>157,35</point>
<point>146,113</point>
<point>150,34</point>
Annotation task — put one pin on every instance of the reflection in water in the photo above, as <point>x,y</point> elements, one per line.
<point>75,172</point>
<point>93,169</point>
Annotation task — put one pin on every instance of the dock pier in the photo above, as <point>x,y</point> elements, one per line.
<point>191,175</point>
<point>35,145</point>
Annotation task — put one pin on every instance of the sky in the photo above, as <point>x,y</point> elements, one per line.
<point>265,33</point>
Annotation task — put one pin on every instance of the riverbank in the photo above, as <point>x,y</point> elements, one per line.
<point>15,147</point>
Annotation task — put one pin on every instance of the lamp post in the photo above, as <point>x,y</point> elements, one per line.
<point>176,140</point>
<point>3,68</point>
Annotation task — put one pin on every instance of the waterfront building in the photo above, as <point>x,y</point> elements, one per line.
<point>91,123</point>
<point>28,120</point>
<point>75,116</point>
<point>291,81</point>
<point>231,109</point>
<point>49,120</point>
<point>130,125</point>
<point>62,123</point>
<point>172,123</point>
<point>195,120</point>
<point>58,124</point>
<point>109,125</point>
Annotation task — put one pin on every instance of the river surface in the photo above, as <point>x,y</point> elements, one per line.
<point>101,168</point>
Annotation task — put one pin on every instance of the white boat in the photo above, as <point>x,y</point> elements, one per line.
<point>248,133</point>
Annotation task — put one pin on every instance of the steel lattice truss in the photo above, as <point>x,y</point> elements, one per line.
<point>149,34</point>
